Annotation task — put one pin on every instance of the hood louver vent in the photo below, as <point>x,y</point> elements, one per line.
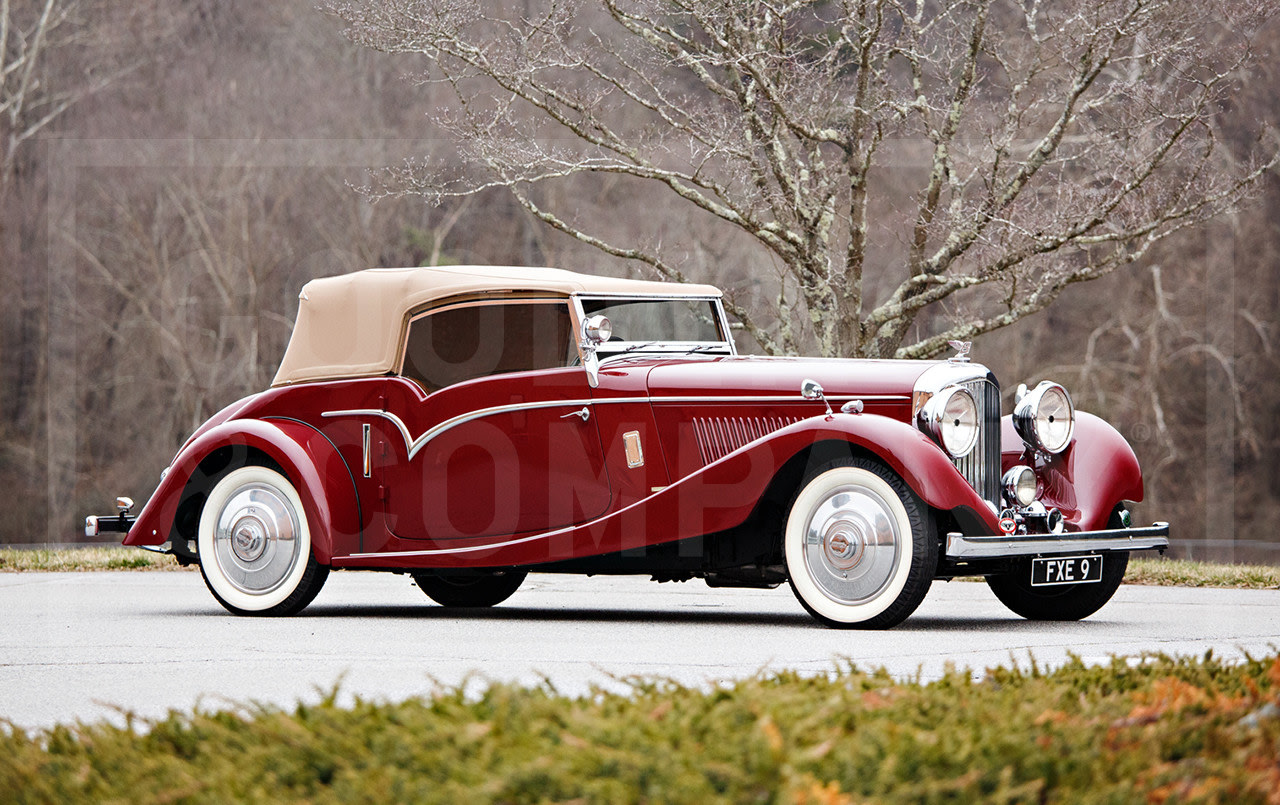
<point>720,436</point>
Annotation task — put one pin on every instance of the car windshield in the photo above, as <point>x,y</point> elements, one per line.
<point>641,324</point>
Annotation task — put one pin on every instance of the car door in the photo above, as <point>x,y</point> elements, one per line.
<point>501,433</point>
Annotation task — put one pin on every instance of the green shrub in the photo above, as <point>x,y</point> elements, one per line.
<point>1159,730</point>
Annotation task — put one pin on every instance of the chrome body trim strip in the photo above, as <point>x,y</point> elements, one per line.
<point>1154,537</point>
<point>654,491</point>
<point>791,398</point>
<point>628,295</point>
<point>490,546</point>
<point>387,415</point>
<point>413,445</point>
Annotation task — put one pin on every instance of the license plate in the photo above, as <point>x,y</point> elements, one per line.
<point>1053,570</point>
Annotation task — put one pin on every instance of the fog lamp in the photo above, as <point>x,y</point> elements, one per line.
<point>1020,484</point>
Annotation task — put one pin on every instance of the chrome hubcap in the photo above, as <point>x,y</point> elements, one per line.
<point>852,544</point>
<point>844,544</point>
<point>255,541</point>
<point>249,539</point>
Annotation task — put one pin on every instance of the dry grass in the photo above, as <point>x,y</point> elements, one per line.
<point>1185,573</point>
<point>95,557</point>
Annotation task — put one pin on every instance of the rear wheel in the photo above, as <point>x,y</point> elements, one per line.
<point>255,545</point>
<point>1067,602</point>
<point>859,545</point>
<point>470,590</point>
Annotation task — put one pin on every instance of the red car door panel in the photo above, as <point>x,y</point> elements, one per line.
<point>496,456</point>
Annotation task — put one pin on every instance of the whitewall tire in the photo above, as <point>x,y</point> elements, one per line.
<point>859,545</point>
<point>254,544</point>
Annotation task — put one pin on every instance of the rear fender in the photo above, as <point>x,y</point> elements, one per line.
<point>304,454</point>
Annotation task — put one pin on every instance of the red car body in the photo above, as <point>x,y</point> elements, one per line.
<point>678,463</point>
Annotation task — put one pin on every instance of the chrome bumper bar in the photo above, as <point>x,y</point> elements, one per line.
<point>1150,538</point>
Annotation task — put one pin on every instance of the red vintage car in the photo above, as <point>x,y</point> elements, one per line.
<point>471,425</point>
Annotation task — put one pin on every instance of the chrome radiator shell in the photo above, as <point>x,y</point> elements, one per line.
<point>981,467</point>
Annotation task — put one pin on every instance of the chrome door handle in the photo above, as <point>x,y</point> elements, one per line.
<point>584,413</point>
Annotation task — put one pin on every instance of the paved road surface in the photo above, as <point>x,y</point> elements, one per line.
<point>84,645</point>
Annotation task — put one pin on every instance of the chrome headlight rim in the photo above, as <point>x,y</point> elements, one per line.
<point>1028,423</point>
<point>940,426</point>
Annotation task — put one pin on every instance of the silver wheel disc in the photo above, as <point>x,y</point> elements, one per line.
<point>852,544</point>
<point>255,540</point>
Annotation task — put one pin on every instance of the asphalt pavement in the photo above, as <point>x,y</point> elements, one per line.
<point>95,646</point>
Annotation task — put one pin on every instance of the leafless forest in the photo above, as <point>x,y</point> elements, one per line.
<point>174,170</point>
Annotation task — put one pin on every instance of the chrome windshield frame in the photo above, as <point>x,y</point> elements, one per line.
<point>592,355</point>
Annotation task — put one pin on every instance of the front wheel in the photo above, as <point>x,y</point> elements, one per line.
<point>255,545</point>
<point>470,591</point>
<point>1067,602</point>
<point>859,545</point>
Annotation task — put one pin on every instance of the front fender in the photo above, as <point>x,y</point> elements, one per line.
<point>307,457</point>
<point>1085,481</point>
<point>744,475</point>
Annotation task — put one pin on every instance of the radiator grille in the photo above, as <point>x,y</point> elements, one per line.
<point>721,435</point>
<point>981,468</point>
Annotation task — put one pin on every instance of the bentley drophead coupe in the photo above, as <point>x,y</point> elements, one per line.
<point>471,425</point>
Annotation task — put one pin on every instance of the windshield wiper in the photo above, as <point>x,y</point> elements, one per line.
<point>635,347</point>
<point>691,350</point>
<point>705,348</point>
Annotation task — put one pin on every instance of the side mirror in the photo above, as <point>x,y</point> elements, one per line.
<point>812,390</point>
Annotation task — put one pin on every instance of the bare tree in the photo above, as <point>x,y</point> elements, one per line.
<point>1059,141</point>
<point>36,37</point>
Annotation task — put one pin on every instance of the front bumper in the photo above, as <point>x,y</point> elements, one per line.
<point>1150,538</point>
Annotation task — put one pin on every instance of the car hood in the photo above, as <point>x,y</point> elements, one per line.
<point>749,375</point>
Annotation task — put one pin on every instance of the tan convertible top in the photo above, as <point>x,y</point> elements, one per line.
<point>352,325</point>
